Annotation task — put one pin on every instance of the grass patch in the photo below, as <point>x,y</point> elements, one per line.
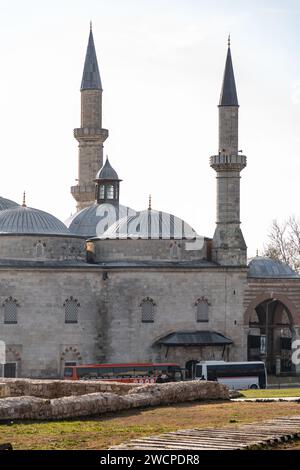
<point>112,429</point>
<point>270,393</point>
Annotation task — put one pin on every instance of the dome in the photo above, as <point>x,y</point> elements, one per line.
<point>151,224</point>
<point>270,268</point>
<point>92,221</point>
<point>107,172</point>
<point>27,220</point>
<point>7,204</point>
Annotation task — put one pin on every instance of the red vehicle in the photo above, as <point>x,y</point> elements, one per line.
<point>138,373</point>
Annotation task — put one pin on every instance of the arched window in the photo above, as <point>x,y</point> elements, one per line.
<point>40,249</point>
<point>147,305</point>
<point>202,306</point>
<point>174,250</point>
<point>71,310</point>
<point>10,310</point>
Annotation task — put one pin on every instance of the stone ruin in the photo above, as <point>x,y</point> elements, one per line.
<point>59,399</point>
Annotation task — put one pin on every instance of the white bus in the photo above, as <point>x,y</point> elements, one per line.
<point>236,375</point>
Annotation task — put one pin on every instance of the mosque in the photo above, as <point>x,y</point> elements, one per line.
<point>113,284</point>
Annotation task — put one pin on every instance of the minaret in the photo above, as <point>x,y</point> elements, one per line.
<point>90,135</point>
<point>229,247</point>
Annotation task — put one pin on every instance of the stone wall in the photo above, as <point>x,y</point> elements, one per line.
<point>41,341</point>
<point>175,293</point>
<point>28,407</point>
<point>145,250</point>
<point>42,247</point>
<point>110,327</point>
<point>60,388</point>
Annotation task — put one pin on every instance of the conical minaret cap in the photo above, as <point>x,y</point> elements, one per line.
<point>228,93</point>
<point>91,77</point>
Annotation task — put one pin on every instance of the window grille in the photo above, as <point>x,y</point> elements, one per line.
<point>147,307</point>
<point>10,311</point>
<point>71,310</point>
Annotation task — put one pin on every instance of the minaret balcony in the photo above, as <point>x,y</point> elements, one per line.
<point>80,189</point>
<point>90,133</point>
<point>228,162</point>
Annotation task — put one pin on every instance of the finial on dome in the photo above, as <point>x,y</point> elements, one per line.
<point>257,252</point>
<point>24,200</point>
<point>229,40</point>
<point>150,202</point>
<point>91,26</point>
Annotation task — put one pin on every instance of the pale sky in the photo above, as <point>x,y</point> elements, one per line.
<point>161,64</point>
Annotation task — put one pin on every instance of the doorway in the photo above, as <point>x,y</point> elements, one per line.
<point>10,370</point>
<point>190,367</point>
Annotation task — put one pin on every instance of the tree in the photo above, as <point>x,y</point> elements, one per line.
<point>284,242</point>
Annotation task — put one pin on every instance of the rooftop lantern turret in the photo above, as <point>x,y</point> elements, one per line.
<point>107,185</point>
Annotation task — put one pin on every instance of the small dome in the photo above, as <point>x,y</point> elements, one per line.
<point>92,221</point>
<point>7,204</point>
<point>27,220</point>
<point>107,172</point>
<point>270,268</point>
<point>150,224</point>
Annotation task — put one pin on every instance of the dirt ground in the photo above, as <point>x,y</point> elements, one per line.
<point>112,429</point>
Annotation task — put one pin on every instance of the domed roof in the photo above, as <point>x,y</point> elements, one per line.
<point>270,268</point>
<point>6,204</point>
<point>92,221</point>
<point>27,220</point>
<point>151,224</point>
<point>107,172</point>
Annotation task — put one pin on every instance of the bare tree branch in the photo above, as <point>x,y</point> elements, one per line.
<point>284,242</point>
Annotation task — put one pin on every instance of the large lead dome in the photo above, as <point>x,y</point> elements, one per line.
<point>27,220</point>
<point>6,204</point>
<point>92,221</point>
<point>150,224</point>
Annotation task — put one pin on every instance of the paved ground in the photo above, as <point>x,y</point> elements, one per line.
<point>247,436</point>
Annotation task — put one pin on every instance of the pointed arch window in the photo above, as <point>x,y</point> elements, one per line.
<point>202,310</point>
<point>148,310</point>
<point>71,306</point>
<point>40,249</point>
<point>10,306</point>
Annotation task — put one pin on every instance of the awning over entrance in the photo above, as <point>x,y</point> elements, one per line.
<point>195,338</point>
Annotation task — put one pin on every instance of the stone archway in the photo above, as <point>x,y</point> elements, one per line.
<point>70,355</point>
<point>269,296</point>
<point>271,321</point>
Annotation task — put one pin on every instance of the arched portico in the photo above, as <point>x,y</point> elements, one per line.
<point>272,321</point>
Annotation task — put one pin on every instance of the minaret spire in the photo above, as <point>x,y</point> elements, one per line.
<point>91,77</point>
<point>228,92</point>
<point>229,247</point>
<point>90,135</point>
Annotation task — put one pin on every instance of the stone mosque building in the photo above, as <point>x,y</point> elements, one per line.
<point>118,285</point>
